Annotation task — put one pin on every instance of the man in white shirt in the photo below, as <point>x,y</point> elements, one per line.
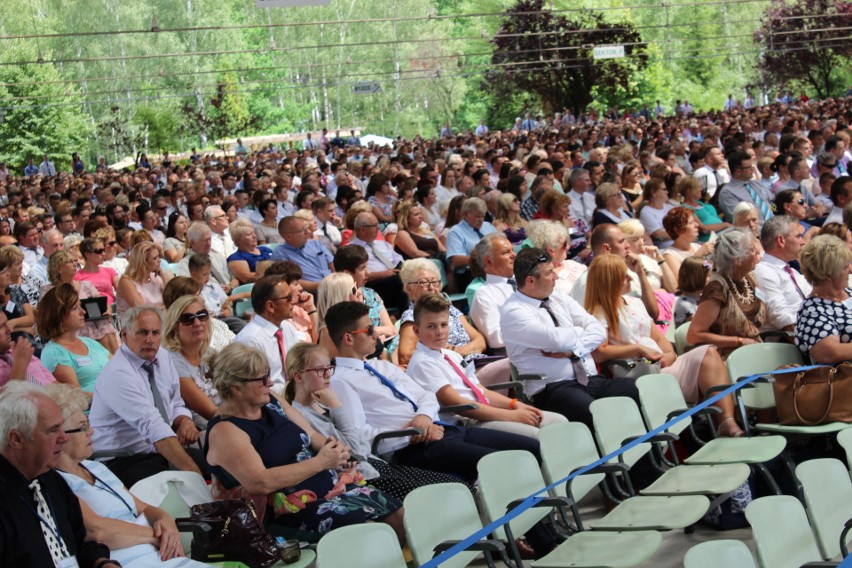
<point>453,380</point>
<point>713,174</point>
<point>841,194</point>
<point>784,289</point>
<point>46,167</point>
<point>380,397</point>
<point>495,254</point>
<point>481,130</point>
<point>324,212</point>
<point>582,196</point>
<point>550,334</point>
<point>383,263</point>
<point>218,222</point>
<point>268,330</point>
<point>51,241</point>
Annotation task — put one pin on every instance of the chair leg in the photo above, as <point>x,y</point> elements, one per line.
<point>519,563</point>
<point>764,472</point>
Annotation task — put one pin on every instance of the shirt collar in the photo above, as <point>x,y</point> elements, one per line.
<point>136,360</point>
<point>349,363</point>
<point>494,279</point>
<point>773,260</point>
<point>428,351</point>
<point>529,300</point>
<point>265,324</point>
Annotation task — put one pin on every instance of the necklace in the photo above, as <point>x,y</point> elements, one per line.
<point>748,297</point>
<point>830,297</point>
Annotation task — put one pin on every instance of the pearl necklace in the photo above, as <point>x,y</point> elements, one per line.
<point>747,298</point>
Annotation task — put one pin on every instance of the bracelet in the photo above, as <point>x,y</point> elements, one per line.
<point>106,561</point>
<point>513,403</point>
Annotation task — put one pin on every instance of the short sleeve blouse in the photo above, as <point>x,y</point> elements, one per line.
<point>87,367</point>
<point>820,318</point>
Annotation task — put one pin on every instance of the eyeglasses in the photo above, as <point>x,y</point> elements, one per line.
<point>189,319</point>
<point>325,372</point>
<point>829,165</point>
<point>97,251</point>
<point>801,201</point>
<point>163,208</point>
<point>368,330</point>
<point>540,260</point>
<point>427,283</point>
<point>84,428</point>
<point>354,291</point>
<point>111,243</point>
<point>264,379</point>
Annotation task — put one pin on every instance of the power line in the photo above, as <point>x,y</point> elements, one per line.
<point>429,76</point>
<point>434,17</point>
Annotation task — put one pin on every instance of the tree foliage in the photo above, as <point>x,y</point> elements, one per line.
<point>541,52</point>
<point>804,42</point>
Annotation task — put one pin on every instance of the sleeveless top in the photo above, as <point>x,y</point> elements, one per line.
<point>426,244</point>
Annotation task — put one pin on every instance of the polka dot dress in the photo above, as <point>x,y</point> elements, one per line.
<point>820,318</point>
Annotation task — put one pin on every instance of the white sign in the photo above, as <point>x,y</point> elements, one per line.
<point>366,88</point>
<point>608,52</point>
<point>288,3</point>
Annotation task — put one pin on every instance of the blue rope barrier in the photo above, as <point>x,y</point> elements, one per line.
<point>535,498</point>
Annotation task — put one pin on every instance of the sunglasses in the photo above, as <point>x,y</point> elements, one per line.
<point>801,201</point>
<point>84,428</point>
<point>111,243</point>
<point>368,330</point>
<point>264,379</point>
<point>540,260</point>
<point>97,251</point>
<point>189,319</point>
<point>325,372</point>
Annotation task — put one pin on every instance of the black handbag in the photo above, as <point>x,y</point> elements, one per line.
<point>230,530</point>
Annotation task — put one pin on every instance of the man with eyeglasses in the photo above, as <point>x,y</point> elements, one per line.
<point>549,333</point>
<point>51,241</point>
<point>742,187</point>
<point>311,255</point>
<point>383,262</point>
<point>269,331</point>
<point>218,222</point>
<point>140,420</point>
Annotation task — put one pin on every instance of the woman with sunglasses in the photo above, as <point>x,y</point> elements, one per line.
<point>186,334</point>
<point>73,359</point>
<point>111,250</point>
<point>105,281</point>
<point>138,534</point>
<point>262,448</point>
<point>791,202</point>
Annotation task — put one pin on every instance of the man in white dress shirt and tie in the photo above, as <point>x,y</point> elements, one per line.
<point>383,262</point>
<point>784,289</point>
<point>495,254</point>
<point>549,333</point>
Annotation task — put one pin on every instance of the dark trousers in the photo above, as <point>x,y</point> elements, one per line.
<point>460,449</point>
<point>130,469</point>
<point>572,400</point>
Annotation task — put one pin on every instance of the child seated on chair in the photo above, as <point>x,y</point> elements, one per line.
<point>692,277</point>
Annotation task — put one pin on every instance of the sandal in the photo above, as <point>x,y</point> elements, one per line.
<point>731,430</point>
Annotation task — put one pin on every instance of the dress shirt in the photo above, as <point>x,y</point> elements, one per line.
<point>578,291</point>
<point>214,296</point>
<point>582,205</point>
<point>223,244</point>
<point>711,179</point>
<point>32,255</point>
<point>780,295</point>
<point>219,269</point>
<point>372,406</point>
<point>260,333</point>
<point>313,259</point>
<point>123,412</point>
<point>485,308</point>
<point>333,233</point>
<point>22,542</point>
<point>462,238</point>
<point>528,330</point>
<point>445,194</point>
<point>735,191</point>
<point>39,269</point>
<point>31,170</point>
<point>373,263</point>
<point>36,372</point>
<point>432,372</point>
<point>834,216</point>
<point>47,169</point>
<point>801,187</point>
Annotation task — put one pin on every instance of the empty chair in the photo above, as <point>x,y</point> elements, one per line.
<point>782,536</point>
<point>827,490</point>
<point>680,342</point>
<point>369,545</point>
<point>844,438</point>
<point>435,514</point>
<point>719,554</point>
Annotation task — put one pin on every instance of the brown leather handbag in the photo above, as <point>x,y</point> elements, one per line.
<point>816,396</point>
<point>237,534</point>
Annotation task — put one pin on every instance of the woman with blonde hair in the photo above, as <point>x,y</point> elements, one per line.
<point>632,335</point>
<point>335,288</point>
<point>509,219</point>
<point>414,238</point>
<point>144,280</point>
<point>111,259</point>
<point>186,334</point>
<point>610,205</point>
<point>243,262</point>
<point>16,302</point>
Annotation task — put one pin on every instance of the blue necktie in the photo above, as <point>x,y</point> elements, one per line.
<point>385,381</point>
<point>762,206</point>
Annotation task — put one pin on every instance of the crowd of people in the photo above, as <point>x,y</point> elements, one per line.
<point>261,318</point>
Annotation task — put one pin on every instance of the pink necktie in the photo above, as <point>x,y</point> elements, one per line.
<point>279,335</point>
<point>477,394</point>
<point>789,270</point>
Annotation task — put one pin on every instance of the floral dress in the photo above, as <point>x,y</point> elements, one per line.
<point>324,501</point>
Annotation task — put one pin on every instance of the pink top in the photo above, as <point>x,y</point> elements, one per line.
<point>151,293</point>
<point>102,279</point>
<point>36,372</point>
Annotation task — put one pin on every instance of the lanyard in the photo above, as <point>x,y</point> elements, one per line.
<point>104,485</point>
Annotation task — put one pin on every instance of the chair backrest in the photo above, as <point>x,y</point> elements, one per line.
<point>844,438</point>
<point>680,338</point>
<point>660,394</point>
<point>368,545</point>
<point>507,476</point>
<point>782,536</point>
<point>172,267</point>
<point>718,554</point>
<point>565,447</point>
<point>615,419</point>
<point>760,358</point>
<point>441,270</point>
<point>828,498</point>
<point>243,288</point>
<point>271,246</point>
<point>670,333</point>
<point>438,513</point>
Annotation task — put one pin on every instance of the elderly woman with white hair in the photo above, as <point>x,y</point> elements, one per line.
<point>138,534</point>
<point>243,263</point>
<point>553,237</point>
<point>824,324</point>
<point>745,216</point>
<point>730,311</point>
